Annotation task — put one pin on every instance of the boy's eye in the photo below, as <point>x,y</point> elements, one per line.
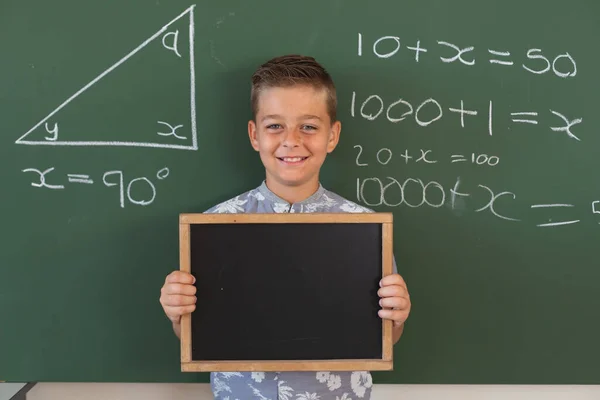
<point>309,128</point>
<point>274,126</point>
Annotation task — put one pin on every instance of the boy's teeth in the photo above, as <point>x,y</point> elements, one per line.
<point>292,159</point>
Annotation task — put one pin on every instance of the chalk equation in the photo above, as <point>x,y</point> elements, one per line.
<point>415,193</point>
<point>48,179</point>
<point>533,60</point>
<point>384,155</point>
<point>373,107</point>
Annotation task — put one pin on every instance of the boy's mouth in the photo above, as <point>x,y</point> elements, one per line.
<point>292,160</point>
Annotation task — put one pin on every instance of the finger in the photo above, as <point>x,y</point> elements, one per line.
<point>177,300</point>
<point>180,277</point>
<point>400,303</point>
<point>394,315</point>
<point>393,291</point>
<point>178,288</point>
<point>174,313</point>
<point>393,279</point>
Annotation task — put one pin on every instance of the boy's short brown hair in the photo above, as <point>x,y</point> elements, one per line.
<point>289,70</point>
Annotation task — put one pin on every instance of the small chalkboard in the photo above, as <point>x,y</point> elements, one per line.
<point>286,292</point>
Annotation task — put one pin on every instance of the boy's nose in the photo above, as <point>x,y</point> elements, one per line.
<point>292,138</point>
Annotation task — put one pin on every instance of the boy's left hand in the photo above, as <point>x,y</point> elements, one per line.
<point>395,299</point>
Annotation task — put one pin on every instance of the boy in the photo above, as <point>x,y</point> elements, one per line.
<point>294,127</point>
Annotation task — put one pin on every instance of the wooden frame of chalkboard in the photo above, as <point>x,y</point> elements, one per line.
<point>370,242</point>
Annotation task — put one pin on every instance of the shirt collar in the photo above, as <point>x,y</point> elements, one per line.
<point>265,191</point>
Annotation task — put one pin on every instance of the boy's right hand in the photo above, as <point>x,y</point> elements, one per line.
<point>177,296</point>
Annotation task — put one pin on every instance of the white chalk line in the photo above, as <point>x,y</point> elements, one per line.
<point>551,205</point>
<point>559,223</point>
<point>87,181</point>
<point>501,62</point>
<point>193,81</point>
<point>116,143</point>
<point>524,113</point>
<point>525,121</point>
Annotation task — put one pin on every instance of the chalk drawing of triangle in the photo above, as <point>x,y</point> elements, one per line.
<point>178,133</point>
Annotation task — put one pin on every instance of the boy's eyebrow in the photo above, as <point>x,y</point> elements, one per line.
<point>271,116</point>
<point>276,116</point>
<point>308,116</point>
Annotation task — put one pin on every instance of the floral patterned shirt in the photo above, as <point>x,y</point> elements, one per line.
<point>290,385</point>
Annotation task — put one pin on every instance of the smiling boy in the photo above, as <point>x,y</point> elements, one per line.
<point>294,127</point>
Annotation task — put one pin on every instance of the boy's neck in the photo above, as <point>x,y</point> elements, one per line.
<point>293,194</point>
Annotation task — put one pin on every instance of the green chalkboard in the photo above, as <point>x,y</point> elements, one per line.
<point>474,122</point>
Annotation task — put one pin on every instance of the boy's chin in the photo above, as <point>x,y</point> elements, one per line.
<point>290,181</point>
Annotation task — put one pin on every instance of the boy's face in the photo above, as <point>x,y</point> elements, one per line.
<point>293,134</point>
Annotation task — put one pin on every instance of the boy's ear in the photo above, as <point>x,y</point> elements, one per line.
<point>252,134</point>
<point>334,136</point>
